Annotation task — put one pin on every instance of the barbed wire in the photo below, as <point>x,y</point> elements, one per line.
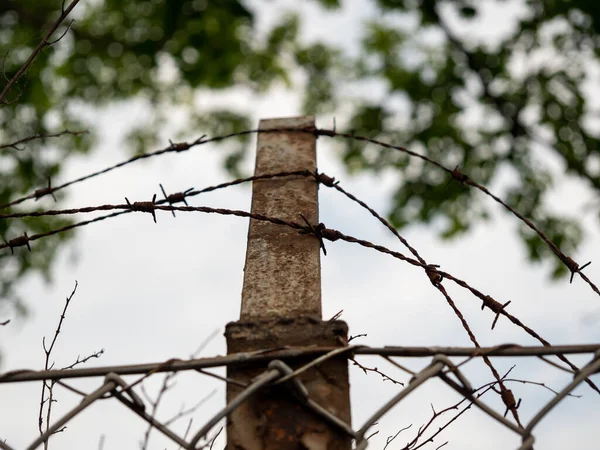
<point>456,174</point>
<point>278,372</point>
<point>322,232</point>
<point>319,231</point>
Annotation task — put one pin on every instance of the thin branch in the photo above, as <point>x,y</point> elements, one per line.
<point>163,390</point>
<point>166,386</point>
<point>44,43</point>
<point>40,136</point>
<point>101,442</point>
<point>192,409</point>
<point>204,344</point>
<point>366,369</point>
<point>187,430</point>
<point>49,399</point>
<point>215,438</point>
<point>390,439</point>
<point>78,361</point>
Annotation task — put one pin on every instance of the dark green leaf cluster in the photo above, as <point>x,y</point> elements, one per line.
<point>515,104</point>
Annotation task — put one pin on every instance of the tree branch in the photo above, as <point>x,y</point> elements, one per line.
<point>44,43</point>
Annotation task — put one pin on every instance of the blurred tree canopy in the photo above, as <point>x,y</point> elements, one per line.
<point>424,76</point>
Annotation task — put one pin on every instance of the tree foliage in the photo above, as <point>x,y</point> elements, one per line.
<point>485,104</point>
<point>526,88</point>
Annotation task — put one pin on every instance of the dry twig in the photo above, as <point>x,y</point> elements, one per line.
<point>44,43</point>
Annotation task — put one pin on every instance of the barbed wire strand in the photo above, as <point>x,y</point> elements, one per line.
<point>171,199</point>
<point>488,301</point>
<point>455,173</point>
<point>462,178</point>
<point>505,393</point>
<point>322,233</point>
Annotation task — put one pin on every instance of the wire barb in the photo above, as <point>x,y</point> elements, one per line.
<point>459,176</point>
<point>315,230</point>
<point>48,190</point>
<point>183,146</point>
<point>176,198</point>
<point>325,179</point>
<point>19,241</point>
<point>434,275</point>
<point>147,207</point>
<point>572,265</point>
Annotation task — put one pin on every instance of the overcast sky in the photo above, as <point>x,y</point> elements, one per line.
<point>149,292</point>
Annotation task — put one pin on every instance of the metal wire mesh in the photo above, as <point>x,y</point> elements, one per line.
<point>278,372</point>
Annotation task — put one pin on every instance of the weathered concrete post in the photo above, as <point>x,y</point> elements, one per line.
<point>281,305</point>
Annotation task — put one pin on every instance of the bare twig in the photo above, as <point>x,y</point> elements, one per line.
<point>85,359</point>
<point>212,441</point>
<point>49,386</point>
<point>166,386</point>
<point>162,391</point>
<point>390,439</point>
<point>204,344</point>
<point>366,370</point>
<point>192,409</point>
<point>40,136</point>
<point>187,430</point>
<point>412,445</point>
<point>44,43</point>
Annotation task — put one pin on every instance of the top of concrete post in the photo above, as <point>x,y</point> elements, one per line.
<point>282,274</point>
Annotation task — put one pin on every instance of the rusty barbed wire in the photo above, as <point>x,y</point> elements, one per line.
<point>330,182</point>
<point>171,199</point>
<point>149,207</point>
<point>464,179</point>
<point>439,367</point>
<point>488,301</point>
<point>435,279</point>
<point>173,147</point>
<point>456,174</point>
<point>320,231</point>
<point>505,393</point>
<point>433,273</point>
